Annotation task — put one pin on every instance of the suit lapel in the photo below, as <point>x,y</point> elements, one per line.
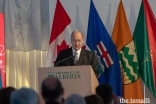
<point>82,56</point>
<point>71,60</point>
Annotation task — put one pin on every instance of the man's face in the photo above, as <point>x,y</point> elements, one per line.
<point>77,40</point>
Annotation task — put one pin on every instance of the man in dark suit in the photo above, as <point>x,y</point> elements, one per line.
<point>76,55</point>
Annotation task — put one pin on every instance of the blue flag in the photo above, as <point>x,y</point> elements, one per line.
<point>99,41</point>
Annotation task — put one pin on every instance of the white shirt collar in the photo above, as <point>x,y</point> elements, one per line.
<point>78,51</point>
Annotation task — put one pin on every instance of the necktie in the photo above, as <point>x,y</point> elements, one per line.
<point>76,58</point>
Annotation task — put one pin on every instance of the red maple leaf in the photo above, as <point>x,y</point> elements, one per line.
<point>62,46</point>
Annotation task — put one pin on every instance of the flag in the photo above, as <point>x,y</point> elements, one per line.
<point>123,40</point>
<point>145,43</point>
<point>60,34</point>
<point>99,41</point>
<point>2,53</point>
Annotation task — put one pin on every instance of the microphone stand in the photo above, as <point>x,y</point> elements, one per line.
<point>63,60</point>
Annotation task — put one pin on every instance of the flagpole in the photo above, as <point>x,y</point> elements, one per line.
<point>144,93</point>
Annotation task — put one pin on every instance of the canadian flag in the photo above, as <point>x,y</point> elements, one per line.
<point>60,34</point>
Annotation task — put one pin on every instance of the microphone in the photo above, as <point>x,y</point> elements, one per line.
<point>64,60</point>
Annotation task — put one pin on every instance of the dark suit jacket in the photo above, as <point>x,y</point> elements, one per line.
<point>66,58</point>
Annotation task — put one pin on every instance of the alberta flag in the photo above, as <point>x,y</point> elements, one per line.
<point>99,41</point>
<point>145,44</point>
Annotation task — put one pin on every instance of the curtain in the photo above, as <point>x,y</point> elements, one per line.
<point>25,22</point>
<point>21,67</point>
<point>27,33</point>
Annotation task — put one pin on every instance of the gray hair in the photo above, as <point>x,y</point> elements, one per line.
<point>77,31</point>
<point>75,99</point>
<point>24,96</point>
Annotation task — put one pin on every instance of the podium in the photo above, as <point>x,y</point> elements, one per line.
<point>75,79</point>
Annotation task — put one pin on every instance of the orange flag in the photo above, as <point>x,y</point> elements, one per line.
<point>123,40</point>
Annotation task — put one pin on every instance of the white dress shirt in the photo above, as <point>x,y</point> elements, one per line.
<point>78,51</point>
